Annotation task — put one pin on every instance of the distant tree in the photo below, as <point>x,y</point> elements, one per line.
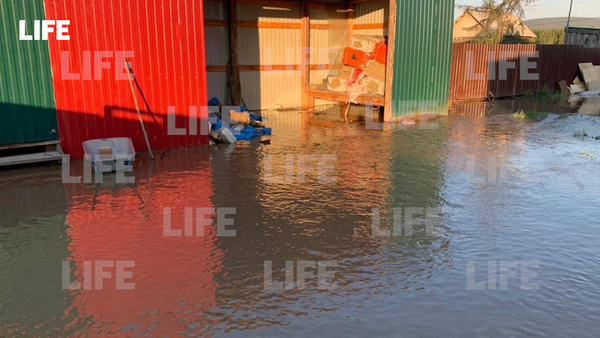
<point>497,24</point>
<point>555,36</point>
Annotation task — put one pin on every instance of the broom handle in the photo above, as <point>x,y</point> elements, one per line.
<point>138,110</point>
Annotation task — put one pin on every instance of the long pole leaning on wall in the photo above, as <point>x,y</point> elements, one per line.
<point>305,59</point>
<point>233,69</point>
<point>389,72</point>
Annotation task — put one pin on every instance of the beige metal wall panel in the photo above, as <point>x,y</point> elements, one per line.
<point>217,50</point>
<point>326,44</point>
<point>376,32</point>
<point>267,46</point>
<point>264,13</point>
<point>322,49</point>
<point>317,76</point>
<point>271,90</point>
<point>217,46</point>
<point>372,12</point>
<point>217,85</point>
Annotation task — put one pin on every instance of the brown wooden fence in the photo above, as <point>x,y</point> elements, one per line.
<point>478,73</point>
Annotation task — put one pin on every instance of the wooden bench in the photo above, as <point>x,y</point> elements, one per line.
<point>318,92</point>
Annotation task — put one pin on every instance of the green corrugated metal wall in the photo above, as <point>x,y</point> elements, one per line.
<point>423,53</point>
<point>27,108</point>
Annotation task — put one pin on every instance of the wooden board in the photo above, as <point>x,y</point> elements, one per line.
<point>564,88</point>
<point>596,84</point>
<point>30,158</point>
<point>323,94</point>
<point>591,76</point>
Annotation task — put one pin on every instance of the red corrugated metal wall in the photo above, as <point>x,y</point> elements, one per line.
<point>167,39</point>
<point>555,63</point>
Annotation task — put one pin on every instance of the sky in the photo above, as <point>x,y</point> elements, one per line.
<point>550,8</point>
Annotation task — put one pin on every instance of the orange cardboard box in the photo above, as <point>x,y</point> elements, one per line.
<point>380,53</point>
<point>354,57</point>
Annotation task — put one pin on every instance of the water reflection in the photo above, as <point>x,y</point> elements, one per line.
<point>33,243</point>
<point>587,106</point>
<point>572,105</point>
<point>488,177</point>
<point>173,276</point>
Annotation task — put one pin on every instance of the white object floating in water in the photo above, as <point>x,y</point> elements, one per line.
<point>224,135</point>
<point>104,153</point>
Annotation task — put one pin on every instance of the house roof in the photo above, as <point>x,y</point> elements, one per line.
<point>463,26</point>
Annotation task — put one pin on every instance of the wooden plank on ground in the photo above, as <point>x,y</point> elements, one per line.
<point>591,76</point>
<point>30,158</point>
<point>374,100</point>
<point>564,88</point>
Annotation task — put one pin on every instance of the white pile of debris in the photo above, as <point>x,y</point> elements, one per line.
<point>590,86</point>
<point>362,68</point>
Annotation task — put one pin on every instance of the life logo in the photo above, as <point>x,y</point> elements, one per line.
<point>43,28</point>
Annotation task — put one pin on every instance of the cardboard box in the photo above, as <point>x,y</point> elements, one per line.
<point>376,87</point>
<point>336,84</point>
<point>376,70</point>
<point>364,43</point>
<point>380,52</point>
<point>346,72</point>
<point>591,76</point>
<point>354,57</point>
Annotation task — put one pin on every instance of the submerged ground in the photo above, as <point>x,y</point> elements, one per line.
<point>515,195</point>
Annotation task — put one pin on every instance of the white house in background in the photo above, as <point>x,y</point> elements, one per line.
<point>469,25</point>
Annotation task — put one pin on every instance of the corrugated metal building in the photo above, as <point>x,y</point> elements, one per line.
<point>586,37</point>
<point>27,111</point>
<point>422,56</point>
<point>269,45</point>
<point>166,40</point>
<point>270,58</point>
<point>175,67</point>
<point>51,88</point>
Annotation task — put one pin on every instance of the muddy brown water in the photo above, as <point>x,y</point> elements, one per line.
<point>517,204</point>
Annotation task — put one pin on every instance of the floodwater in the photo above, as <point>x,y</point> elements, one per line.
<point>514,251</point>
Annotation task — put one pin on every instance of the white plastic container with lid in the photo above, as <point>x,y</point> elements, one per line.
<point>104,153</point>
